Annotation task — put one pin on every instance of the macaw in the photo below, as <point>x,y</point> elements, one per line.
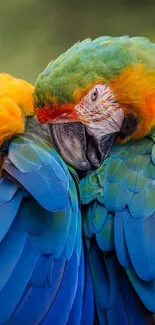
<point>44,271</point>
<point>98,102</point>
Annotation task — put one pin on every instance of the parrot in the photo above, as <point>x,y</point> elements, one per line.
<point>97,100</point>
<point>44,269</point>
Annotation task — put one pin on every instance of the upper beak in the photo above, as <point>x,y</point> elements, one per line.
<point>77,147</point>
<point>70,141</point>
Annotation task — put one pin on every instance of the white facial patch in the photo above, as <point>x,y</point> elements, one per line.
<point>100,112</point>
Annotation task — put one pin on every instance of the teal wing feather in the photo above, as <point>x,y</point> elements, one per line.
<point>119,219</point>
<point>42,266</point>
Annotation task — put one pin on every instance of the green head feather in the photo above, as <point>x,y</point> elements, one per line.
<point>102,59</point>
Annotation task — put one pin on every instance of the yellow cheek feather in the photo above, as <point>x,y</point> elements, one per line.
<point>16,103</point>
<point>134,89</point>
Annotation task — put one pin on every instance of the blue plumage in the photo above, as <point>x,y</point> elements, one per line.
<point>49,274</point>
<point>40,298</point>
<point>119,238</point>
<point>65,296</point>
<point>8,211</point>
<point>7,190</point>
<point>143,240</point>
<point>21,275</point>
<point>88,316</point>
<point>10,253</point>
<point>53,191</point>
<point>118,215</point>
<point>43,276</point>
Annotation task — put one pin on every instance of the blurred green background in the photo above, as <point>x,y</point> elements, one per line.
<point>32,32</point>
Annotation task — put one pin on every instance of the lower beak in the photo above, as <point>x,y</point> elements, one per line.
<point>77,147</point>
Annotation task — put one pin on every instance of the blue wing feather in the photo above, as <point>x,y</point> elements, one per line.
<point>76,311</point>
<point>123,187</point>
<point>10,251</point>
<point>20,275</point>
<point>105,237</point>
<point>144,241</point>
<point>7,190</point>
<point>65,296</point>
<point>42,273</point>
<point>88,299</point>
<point>8,211</point>
<point>53,239</point>
<point>40,298</point>
<point>144,289</point>
<point>42,259</point>
<point>119,237</point>
<point>53,192</point>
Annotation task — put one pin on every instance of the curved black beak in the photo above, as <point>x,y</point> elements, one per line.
<point>70,141</point>
<point>77,147</point>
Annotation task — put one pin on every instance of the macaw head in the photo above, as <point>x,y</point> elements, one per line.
<point>96,93</point>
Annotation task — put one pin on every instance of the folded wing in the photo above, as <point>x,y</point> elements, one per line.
<point>119,225</point>
<point>44,275</point>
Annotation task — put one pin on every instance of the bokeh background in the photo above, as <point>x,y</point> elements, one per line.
<point>33,32</point>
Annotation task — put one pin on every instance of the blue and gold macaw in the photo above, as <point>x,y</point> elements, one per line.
<point>77,188</point>
<point>98,100</point>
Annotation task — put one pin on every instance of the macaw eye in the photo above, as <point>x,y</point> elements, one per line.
<point>94,95</point>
